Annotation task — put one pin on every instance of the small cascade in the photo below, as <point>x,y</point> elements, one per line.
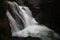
<point>31,27</point>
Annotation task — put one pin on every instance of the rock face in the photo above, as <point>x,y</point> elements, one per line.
<point>49,15</point>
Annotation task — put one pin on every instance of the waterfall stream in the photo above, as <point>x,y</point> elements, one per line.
<point>31,27</point>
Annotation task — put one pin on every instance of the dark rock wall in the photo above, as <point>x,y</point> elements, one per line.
<point>49,15</point>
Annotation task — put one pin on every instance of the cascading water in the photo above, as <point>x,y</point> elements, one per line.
<point>31,27</point>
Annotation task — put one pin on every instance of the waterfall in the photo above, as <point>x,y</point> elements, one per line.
<point>31,27</point>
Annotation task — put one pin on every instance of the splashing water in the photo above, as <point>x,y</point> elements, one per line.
<point>31,27</point>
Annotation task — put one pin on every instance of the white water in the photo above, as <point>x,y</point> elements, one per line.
<point>31,25</point>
